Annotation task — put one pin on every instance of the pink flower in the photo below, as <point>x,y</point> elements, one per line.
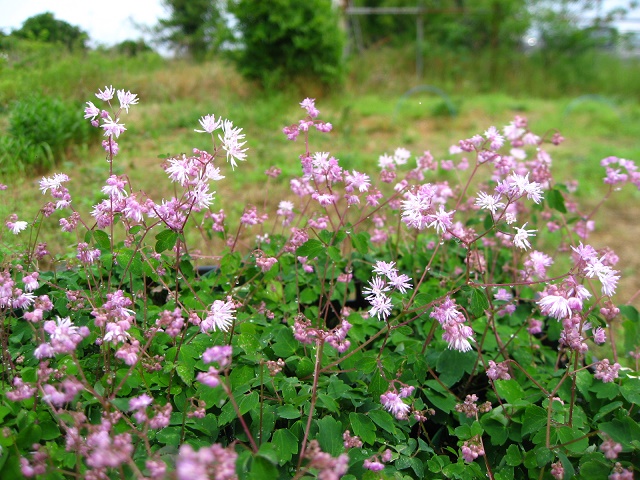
<point>394,404</point>
<point>107,94</point>
<point>209,124</point>
<point>220,316</point>
<point>309,105</point>
<point>221,355</point>
<point>127,99</point>
<point>91,111</point>
<point>17,226</point>
<point>112,127</point>
<point>610,449</point>
<point>605,371</point>
<point>520,239</point>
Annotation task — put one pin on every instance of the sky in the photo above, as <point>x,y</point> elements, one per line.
<point>112,22</point>
<point>107,23</point>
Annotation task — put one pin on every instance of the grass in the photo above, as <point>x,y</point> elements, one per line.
<point>370,118</point>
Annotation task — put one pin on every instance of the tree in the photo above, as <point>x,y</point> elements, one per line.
<point>46,28</point>
<point>283,39</point>
<point>194,27</point>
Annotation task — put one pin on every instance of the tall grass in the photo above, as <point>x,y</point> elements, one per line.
<point>535,74</point>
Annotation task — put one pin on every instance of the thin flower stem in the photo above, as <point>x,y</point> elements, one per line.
<point>314,396</point>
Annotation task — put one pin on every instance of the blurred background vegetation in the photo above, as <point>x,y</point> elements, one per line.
<point>421,81</point>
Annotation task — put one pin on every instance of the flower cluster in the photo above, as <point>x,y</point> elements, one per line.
<point>387,279</point>
<point>453,322</point>
<point>392,401</point>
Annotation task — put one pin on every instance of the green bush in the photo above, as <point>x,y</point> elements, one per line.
<point>41,129</point>
<point>285,39</point>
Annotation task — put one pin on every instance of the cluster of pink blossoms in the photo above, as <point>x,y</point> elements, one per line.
<point>219,355</point>
<point>214,462</point>
<point>294,130</point>
<point>392,401</point>
<point>336,337</point>
<point>387,279</point>
<point>453,322</point>
<point>64,337</point>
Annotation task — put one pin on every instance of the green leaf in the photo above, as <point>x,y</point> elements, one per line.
<point>360,241</point>
<point>268,451</point>
<point>185,373</point>
<point>165,240</point>
<point>169,435</point>
<point>608,408</point>
<point>363,427</point>
<point>261,468</point>
<point>594,469</point>
<point>248,402</point>
<point>569,471</point>
<point>327,402</point>
<point>514,456</point>
<point>479,302</point>
<point>288,411</point>
<point>102,240</point>
<point>510,390</point>
<point>535,418</point>
<point>284,345</point>
<point>311,249</point>
<point>623,430</point>
<point>631,390</point>
<point>556,200</point>
<point>130,260</point>
<point>330,436</point>
<point>286,445</point>
<point>384,420</point>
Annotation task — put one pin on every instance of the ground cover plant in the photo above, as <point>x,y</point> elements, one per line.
<point>381,324</point>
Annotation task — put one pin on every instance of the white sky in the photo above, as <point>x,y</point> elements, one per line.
<point>110,22</point>
<point>107,22</point>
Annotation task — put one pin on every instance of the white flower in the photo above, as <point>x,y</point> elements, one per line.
<point>520,239</point>
<point>209,123</point>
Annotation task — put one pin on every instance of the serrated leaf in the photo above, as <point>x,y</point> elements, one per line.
<point>262,468</point>
<point>165,240</point>
<point>510,390</point>
<point>631,390</point>
<point>330,436</point>
<point>363,427</point>
<point>185,373</point>
<point>248,402</point>
<point>360,241</point>
<point>102,240</point>
<point>609,407</point>
<point>479,302</point>
<point>286,445</point>
<point>535,418</point>
<point>556,200</point>
<point>311,248</point>
<point>288,411</point>
<point>130,260</point>
<point>514,456</point>
<point>384,420</point>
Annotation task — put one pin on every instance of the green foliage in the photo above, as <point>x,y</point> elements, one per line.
<point>40,131</point>
<point>286,39</point>
<point>455,27</point>
<point>46,28</point>
<point>196,28</point>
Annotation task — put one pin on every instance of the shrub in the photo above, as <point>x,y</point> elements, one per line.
<point>41,129</point>
<point>285,39</point>
<point>393,325</point>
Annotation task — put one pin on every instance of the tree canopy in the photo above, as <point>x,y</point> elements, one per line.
<point>46,28</point>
